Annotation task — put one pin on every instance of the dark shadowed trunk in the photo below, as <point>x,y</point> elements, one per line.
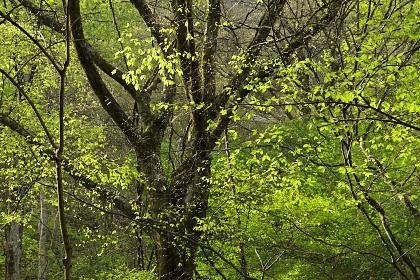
<point>13,248</point>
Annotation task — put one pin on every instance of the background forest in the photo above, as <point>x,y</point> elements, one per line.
<point>209,139</point>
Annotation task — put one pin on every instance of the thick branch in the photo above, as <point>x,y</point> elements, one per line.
<point>43,18</point>
<point>101,62</point>
<point>210,47</point>
<point>142,99</point>
<point>105,97</point>
<point>151,21</point>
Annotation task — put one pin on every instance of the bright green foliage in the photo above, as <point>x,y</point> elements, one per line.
<point>323,149</point>
<point>285,192</point>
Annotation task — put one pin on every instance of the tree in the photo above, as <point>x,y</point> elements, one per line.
<point>186,72</point>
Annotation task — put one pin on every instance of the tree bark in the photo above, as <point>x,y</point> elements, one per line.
<point>13,250</point>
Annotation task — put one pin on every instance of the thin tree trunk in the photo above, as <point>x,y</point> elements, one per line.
<point>43,232</point>
<point>59,155</point>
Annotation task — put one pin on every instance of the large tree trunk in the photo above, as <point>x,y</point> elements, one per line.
<point>43,232</point>
<point>13,246</point>
<point>176,203</point>
<point>175,256</point>
<point>177,243</point>
<point>168,259</point>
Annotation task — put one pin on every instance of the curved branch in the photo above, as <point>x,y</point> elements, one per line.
<point>109,69</point>
<point>105,97</point>
<point>43,18</point>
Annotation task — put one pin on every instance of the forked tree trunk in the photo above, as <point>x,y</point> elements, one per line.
<point>13,248</point>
